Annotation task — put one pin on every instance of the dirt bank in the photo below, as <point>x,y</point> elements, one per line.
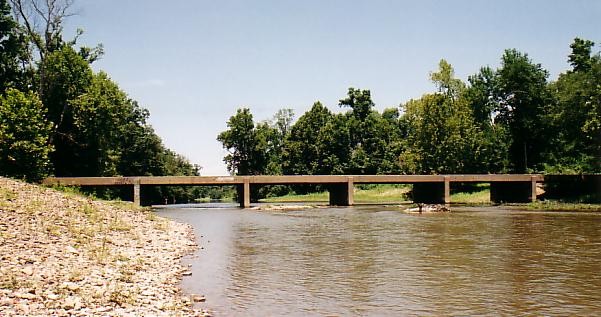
<point>67,255</point>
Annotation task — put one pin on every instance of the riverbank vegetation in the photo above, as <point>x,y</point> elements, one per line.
<point>59,117</point>
<point>511,119</point>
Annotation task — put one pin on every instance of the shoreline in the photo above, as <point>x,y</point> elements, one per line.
<point>64,254</point>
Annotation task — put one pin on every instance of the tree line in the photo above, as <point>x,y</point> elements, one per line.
<point>511,119</point>
<point>59,117</point>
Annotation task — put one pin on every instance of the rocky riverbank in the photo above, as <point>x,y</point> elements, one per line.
<point>67,255</point>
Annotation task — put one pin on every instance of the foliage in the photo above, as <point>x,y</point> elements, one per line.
<point>521,99</point>
<point>304,151</point>
<point>24,133</point>
<point>92,126</point>
<point>442,135</point>
<point>576,114</point>
<point>12,48</point>
<point>245,143</point>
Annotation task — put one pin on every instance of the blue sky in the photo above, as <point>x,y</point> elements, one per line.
<point>193,63</point>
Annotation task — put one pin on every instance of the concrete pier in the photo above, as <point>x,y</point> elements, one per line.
<point>342,194</point>
<point>137,193</point>
<point>244,193</point>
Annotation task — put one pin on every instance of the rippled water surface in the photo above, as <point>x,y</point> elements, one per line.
<point>378,261</point>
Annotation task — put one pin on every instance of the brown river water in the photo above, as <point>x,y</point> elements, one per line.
<point>379,261</point>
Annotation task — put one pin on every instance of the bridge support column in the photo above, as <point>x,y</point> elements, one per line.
<point>244,193</point>
<point>432,192</point>
<point>137,192</point>
<point>342,194</point>
<point>513,192</point>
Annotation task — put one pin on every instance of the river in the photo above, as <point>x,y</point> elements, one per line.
<point>379,261</point>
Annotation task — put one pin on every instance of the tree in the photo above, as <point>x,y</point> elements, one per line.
<point>441,134</point>
<point>43,22</point>
<point>576,114</point>
<point>101,116</point>
<point>24,133</point>
<point>69,77</point>
<point>521,97</point>
<point>12,49</point>
<point>359,101</point>
<point>307,149</point>
<point>370,135</point>
<point>480,95</point>
<point>245,151</point>
<point>274,134</point>
<point>445,80</point>
<point>580,58</point>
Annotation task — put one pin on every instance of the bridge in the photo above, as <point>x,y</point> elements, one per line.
<point>433,189</point>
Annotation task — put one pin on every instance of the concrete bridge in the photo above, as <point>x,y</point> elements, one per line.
<point>433,189</point>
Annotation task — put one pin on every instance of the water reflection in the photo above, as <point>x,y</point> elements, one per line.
<point>378,261</point>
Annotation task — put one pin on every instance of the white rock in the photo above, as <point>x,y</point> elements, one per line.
<point>28,270</point>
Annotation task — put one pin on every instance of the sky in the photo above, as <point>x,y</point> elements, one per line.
<point>192,63</point>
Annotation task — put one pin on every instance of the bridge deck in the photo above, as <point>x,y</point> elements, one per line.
<point>426,188</point>
<point>289,179</point>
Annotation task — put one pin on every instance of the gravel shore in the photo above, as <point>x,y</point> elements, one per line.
<point>63,254</point>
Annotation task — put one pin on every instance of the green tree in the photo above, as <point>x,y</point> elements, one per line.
<point>306,151</point>
<point>370,134</point>
<point>12,49</point>
<point>576,113</point>
<point>246,156</point>
<point>68,77</point>
<point>480,96</point>
<point>580,58</point>
<point>274,134</point>
<point>521,98</point>
<point>101,116</point>
<point>442,136</point>
<point>24,133</point>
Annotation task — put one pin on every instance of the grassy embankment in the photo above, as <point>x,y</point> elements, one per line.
<point>385,194</point>
<point>396,194</point>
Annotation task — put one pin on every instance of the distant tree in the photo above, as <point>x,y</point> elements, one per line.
<point>441,134</point>
<point>359,101</point>
<point>304,148</point>
<point>521,97</point>
<point>246,156</point>
<point>24,133</point>
<point>445,80</point>
<point>275,133</point>
<point>370,134</point>
<point>576,114</point>
<point>480,95</point>
<point>580,58</point>
<point>12,49</point>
